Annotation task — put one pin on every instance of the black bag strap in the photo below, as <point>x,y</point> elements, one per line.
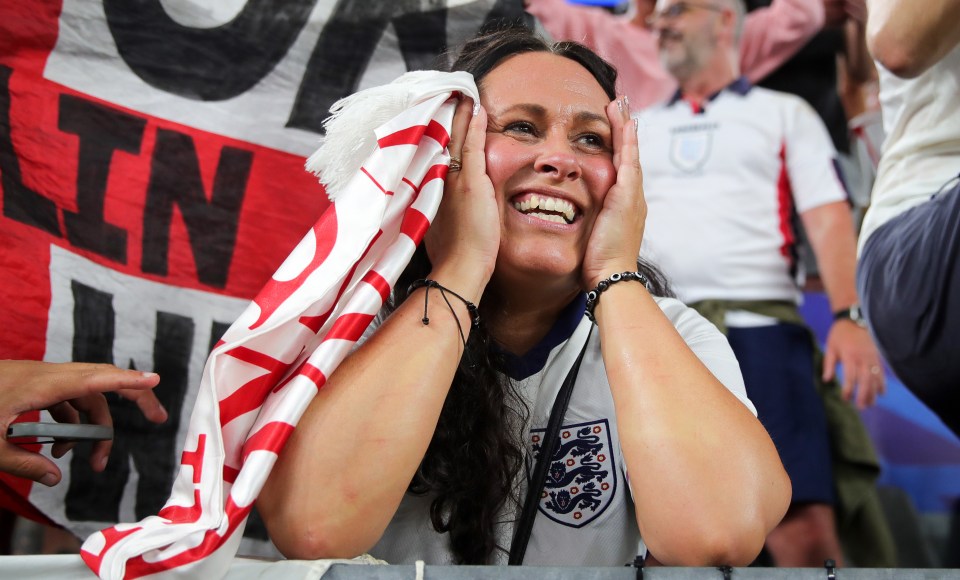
<point>521,535</point>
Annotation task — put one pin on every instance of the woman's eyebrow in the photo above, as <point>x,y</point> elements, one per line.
<point>531,109</point>
<point>588,117</point>
<point>540,111</point>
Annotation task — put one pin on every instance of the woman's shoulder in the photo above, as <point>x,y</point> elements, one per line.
<point>685,319</point>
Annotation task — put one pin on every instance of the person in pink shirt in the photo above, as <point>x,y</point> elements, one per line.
<point>770,36</point>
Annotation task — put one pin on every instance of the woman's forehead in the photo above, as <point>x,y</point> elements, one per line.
<point>543,77</point>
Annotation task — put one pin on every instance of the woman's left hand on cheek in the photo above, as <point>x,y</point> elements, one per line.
<point>618,230</point>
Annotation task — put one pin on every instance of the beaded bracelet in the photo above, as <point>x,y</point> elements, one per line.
<point>594,295</point>
<point>471,307</point>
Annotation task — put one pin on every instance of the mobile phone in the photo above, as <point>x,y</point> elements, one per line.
<point>56,432</point>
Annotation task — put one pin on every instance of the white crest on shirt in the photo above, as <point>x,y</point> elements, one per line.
<point>582,478</point>
<point>690,149</point>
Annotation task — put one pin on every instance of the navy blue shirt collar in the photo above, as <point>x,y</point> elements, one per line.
<point>519,367</point>
<point>741,86</point>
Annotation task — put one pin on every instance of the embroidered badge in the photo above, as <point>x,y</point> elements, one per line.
<point>690,147</point>
<point>582,478</point>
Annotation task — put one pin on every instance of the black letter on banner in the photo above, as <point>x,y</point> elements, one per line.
<point>347,44</point>
<point>93,336</point>
<point>350,38</point>
<point>19,201</point>
<point>212,227</point>
<point>102,131</point>
<point>209,64</point>
<point>151,448</point>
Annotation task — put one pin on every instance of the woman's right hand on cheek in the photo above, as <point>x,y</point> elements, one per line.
<point>618,231</point>
<point>466,230</point>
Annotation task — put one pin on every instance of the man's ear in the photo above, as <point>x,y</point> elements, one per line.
<point>728,19</point>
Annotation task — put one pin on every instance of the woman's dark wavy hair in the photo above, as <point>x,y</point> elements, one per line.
<point>472,463</point>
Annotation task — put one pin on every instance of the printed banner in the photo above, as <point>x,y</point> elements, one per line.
<point>151,165</point>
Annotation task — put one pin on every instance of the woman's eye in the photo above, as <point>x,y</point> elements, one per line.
<point>592,140</point>
<point>521,127</point>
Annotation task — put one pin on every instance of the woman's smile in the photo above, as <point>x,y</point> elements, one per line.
<point>546,207</point>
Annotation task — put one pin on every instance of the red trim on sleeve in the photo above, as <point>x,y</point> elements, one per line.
<point>785,209</point>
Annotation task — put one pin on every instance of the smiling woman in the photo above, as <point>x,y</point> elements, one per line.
<point>631,418</point>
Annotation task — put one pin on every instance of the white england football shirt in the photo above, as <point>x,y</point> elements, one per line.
<point>586,516</point>
<point>722,182</point>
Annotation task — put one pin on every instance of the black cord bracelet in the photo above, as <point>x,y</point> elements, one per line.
<point>471,307</point>
<point>593,296</point>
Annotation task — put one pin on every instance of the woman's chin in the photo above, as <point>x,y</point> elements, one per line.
<point>538,268</point>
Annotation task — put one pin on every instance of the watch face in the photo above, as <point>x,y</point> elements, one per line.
<point>857,316</point>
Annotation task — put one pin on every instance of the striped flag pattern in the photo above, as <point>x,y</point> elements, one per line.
<point>273,360</point>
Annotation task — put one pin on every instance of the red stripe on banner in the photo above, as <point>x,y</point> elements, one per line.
<point>414,224</point>
<point>379,283</point>
<point>308,371</point>
<point>315,323</point>
<point>276,292</point>
<point>408,136</point>
<point>438,171</point>
<point>315,375</point>
<point>247,398</point>
<point>413,186</point>
<point>111,536</point>
<point>28,32</point>
<point>413,135</point>
<point>270,437</point>
<point>436,132</point>
<point>230,474</point>
<point>15,500</point>
<point>291,376</point>
<point>349,326</point>
<point>375,182</point>
<point>183,514</point>
<point>195,458</point>
<point>257,358</point>
<point>250,396</point>
<point>785,207</point>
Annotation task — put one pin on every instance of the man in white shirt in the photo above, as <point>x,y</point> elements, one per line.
<point>726,165</point>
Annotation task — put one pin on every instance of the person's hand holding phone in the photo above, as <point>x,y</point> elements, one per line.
<point>66,390</point>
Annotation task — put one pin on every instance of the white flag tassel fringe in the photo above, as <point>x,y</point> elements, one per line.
<point>383,162</point>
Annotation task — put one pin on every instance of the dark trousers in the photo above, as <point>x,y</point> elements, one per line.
<point>908,278</point>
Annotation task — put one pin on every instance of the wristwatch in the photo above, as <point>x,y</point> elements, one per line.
<point>852,314</point>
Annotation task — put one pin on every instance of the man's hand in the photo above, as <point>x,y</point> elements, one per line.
<point>66,390</point>
<point>850,344</point>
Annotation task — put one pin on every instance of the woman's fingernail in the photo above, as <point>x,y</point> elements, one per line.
<point>49,480</point>
<point>620,104</point>
<point>147,375</point>
<point>103,462</point>
<point>476,108</point>
<point>626,102</point>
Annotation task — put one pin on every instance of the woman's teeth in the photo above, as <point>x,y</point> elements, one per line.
<point>563,210</point>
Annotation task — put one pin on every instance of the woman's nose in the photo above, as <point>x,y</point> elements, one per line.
<point>558,158</point>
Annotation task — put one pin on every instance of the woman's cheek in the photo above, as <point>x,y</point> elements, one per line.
<point>503,159</point>
<point>601,175</point>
